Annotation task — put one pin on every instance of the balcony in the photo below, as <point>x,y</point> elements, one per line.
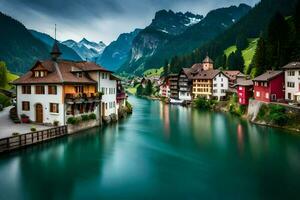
<point>121,96</point>
<point>82,98</point>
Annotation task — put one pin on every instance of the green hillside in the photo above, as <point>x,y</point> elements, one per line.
<point>248,53</point>
<point>10,77</point>
<point>153,72</point>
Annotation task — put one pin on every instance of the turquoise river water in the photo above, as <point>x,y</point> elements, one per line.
<point>160,152</point>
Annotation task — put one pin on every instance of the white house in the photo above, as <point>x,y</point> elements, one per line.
<point>56,90</point>
<point>292,81</point>
<point>220,85</point>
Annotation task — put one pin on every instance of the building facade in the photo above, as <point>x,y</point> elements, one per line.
<point>185,85</point>
<point>244,91</point>
<point>164,88</point>
<point>56,89</point>
<point>173,78</point>
<point>269,87</point>
<point>292,81</point>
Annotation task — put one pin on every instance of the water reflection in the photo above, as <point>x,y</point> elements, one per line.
<point>160,152</point>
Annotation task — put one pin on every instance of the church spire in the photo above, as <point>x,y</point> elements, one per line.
<point>55,53</point>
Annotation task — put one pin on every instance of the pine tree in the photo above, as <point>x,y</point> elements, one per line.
<point>242,42</point>
<point>148,90</point>
<point>3,74</point>
<point>296,42</point>
<point>259,63</point>
<point>239,61</point>
<point>166,68</point>
<point>277,42</point>
<point>231,61</point>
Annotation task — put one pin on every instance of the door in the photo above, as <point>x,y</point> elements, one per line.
<point>103,109</point>
<point>39,113</point>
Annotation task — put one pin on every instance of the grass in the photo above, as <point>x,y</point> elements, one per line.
<point>248,53</point>
<point>153,72</point>
<point>132,90</point>
<point>10,77</point>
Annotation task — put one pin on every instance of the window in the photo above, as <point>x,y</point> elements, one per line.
<point>26,89</point>
<point>291,73</point>
<point>222,85</point>
<point>240,88</point>
<point>39,89</point>
<point>289,96</point>
<point>79,74</point>
<point>267,95</point>
<point>25,106</point>
<point>256,83</point>
<point>54,107</point>
<point>291,84</point>
<point>257,94</point>
<point>79,89</point>
<point>52,89</point>
<point>40,73</point>
<point>221,79</point>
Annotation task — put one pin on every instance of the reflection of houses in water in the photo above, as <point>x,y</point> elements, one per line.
<point>240,137</point>
<point>165,117</point>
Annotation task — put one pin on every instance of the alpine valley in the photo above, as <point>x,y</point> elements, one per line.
<point>170,37</point>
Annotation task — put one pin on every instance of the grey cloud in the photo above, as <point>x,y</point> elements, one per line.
<point>100,19</point>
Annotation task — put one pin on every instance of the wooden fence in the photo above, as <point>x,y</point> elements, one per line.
<point>15,142</point>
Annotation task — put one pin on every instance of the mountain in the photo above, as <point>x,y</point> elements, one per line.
<point>174,23</point>
<point>67,52</point>
<point>19,48</point>
<point>158,42</point>
<point>87,50</point>
<point>253,25</point>
<point>116,53</point>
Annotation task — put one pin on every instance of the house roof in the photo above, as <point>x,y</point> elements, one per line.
<point>232,74</point>
<point>245,83</point>
<point>208,74</point>
<point>292,65</point>
<point>60,71</point>
<point>269,75</point>
<point>208,60</point>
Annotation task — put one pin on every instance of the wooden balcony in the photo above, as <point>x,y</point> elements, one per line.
<point>71,98</point>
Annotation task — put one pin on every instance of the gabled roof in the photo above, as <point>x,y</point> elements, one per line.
<point>61,71</point>
<point>269,75</point>
<point>207,74</point>
<point>208,60</point>
<point>232,74</point>
<point>292,65</point>
<point>245,83</point>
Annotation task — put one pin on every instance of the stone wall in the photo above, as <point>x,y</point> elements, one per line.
<point>82,126</point>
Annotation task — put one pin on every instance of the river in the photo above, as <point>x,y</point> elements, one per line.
<point>160,152</point>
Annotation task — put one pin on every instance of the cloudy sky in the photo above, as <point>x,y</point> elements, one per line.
<point>100,19</point>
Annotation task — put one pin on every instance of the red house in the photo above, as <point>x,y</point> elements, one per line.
<point>269,86</point>
<point>244,91</point>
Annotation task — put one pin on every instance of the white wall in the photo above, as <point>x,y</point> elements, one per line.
<point>44,100</point>
<point>220,85</point>
<point>109,89</point>
<point>184,96</point>
<point>293,79</point>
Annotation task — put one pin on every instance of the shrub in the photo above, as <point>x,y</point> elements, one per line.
<point>85,118</point>
<point>15,134</point>
<point>73,120</point>
<point>4,100</point>
<point>262,112</point>
<point>33,129</point>
<point>204,104</point>
<point>56,123</point>
<point>128,106</point>
<point>278,115</point>
<point>92,116</point>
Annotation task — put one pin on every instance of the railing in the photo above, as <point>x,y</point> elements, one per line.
<point>15,142</point>
<point>80,98</point>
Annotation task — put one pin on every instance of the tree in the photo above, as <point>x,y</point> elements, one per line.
<point>139,90</point>
<point>3,74</point>
<point>221,61</point>
<point>166,68</point>
<point>148,90</point>
<point>259,64</point>
<point>277,42</point>
<point>231,61</point>
<point>241,42</point>
<point>239,61</point>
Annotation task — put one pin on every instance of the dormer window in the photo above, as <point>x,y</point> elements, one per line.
<point>79,74</point>
<point>40,74</point>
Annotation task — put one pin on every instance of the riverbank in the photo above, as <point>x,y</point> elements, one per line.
<point>280,116</point>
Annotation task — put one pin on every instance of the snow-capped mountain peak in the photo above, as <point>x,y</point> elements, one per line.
<point>86,49</point>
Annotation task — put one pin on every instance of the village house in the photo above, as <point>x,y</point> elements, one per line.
<point>292,81</point>
<point>269,87</point>
<point>208,82</point>
<point>185,84</point>
<point>173,78</point>
<point>164,88</point>
<point>235,77</point>
<point>56,89</point>
<point>244,91</point>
